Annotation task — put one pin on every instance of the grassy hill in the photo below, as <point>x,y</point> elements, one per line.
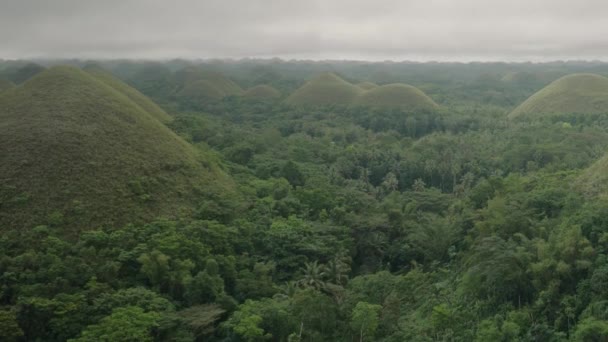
<point>395,95</point>
<point>572,94</point>
<point>6,85</point>
<point>367,85</point>
<point>26,72</point>
<point>201,90</point>
<point>79,152</point>
<point>262,92</point>
<point>195,86</point>
<point>325,89</point>
<point>133,94</point>
<point>594,180</point>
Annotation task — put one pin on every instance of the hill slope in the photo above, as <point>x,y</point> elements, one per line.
<point>133,94</point>
<point>325,89</point>
<point>195,82</point>
<point>572,94</point>
<point>262,92</point>
<point>593,181</point>
<point>26,72</point>
<point>395,95</point>
<point>78,151</point>
<point>5,85</point>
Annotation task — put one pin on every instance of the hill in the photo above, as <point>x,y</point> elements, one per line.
<point>187,76</point>
<point>367,85</point>
<point>395,95</point>
<point>26,72</point>
<point>195,86</point>
<point>325,89</point>
<point>79,152</point>
<point>572,94</point>
<point>201,90</point>
<point>133,94</point>
<point>262,92</point>
<point>593,181</point>
<point>5,85</point>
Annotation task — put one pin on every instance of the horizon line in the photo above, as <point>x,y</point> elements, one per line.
<point>312,60</point>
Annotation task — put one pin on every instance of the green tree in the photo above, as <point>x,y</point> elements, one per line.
<point>9,328</point>
<point>313,276</point>
<point>591,330</point>
<point>292,173</point>
<point>365,319</point>
<point>124,324</point>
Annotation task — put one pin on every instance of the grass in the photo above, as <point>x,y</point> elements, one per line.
<point>572,94</point>
<point>78,151</point>
<point>593,181</point>
<point>134,95</point>
<point>325,89</point>
<point>395,95</point>
<point>6,85</point>
<point>262,92</point>
<point>26,72</point>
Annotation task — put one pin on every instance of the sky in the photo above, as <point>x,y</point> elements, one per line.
<point>417,30</point>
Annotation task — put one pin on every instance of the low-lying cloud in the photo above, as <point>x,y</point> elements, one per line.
<point>317,29</point>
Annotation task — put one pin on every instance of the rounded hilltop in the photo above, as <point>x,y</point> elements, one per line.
<point>79,151</point>
<point>325,89</point>
<point>396,95</point>
<point>572,94</point>
<point>330,89</point>
<point>197,84</point>
<point>262,92</point>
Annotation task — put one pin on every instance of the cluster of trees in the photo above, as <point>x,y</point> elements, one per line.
<point>359,225</point>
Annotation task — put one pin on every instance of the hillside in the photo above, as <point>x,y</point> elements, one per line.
<point>133,94</point>
<point>395,95</point>
<point>201,90</point>
<point>593,181</point>
<point>216,84</point>
<point>5,85</point>
<point>26,72</point>
<point>261,92</point>
<point>325,89</point>
<point>79,152</point>
<point>572,94</point>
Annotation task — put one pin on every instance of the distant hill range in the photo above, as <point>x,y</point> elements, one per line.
<point>330,89</point>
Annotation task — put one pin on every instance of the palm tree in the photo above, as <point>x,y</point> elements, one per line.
<point>313,275</point>
<point>337,271</point>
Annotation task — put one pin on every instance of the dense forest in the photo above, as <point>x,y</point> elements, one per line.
<point>448,221</point>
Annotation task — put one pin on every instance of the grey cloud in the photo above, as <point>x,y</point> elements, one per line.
<point>345,29</point>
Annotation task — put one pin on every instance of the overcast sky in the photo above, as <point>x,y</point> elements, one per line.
<point>443,30</point>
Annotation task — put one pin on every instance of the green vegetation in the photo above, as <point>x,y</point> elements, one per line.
<point>146,104</point>
<point>77,152</point>
<point>325,89</point>
<point>256,221</point>
<point>396,96</point>
<point>6,85</point>
<point>572,94</point>
<point>26,72</point>
<point>197,87</point>
<point>262,92</point>
<point>330,89</point>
